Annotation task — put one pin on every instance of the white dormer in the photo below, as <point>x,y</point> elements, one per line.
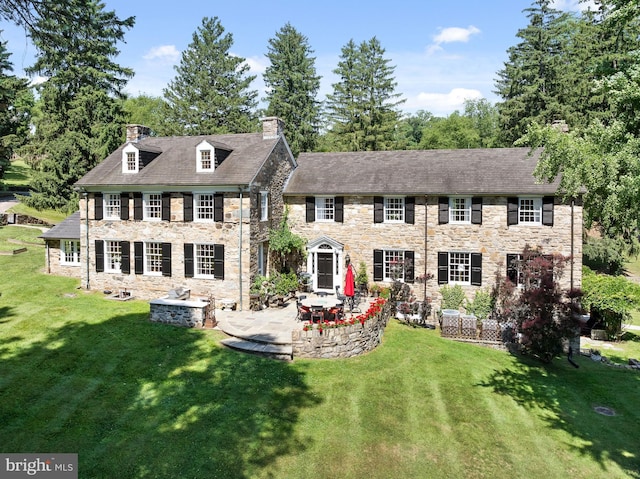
<point>130,159</point>
<point>205,157</point>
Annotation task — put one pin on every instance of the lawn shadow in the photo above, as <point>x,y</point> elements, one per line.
<point>565,398</point>
<point>5,312</point>
<point>138,399</point>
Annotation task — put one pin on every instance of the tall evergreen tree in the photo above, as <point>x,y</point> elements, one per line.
<point>532,84</point>
<point>81,118</point>
<point>210,93</point>
<point>16,101</point>
<point>292,88</point>
<point>363,108</point>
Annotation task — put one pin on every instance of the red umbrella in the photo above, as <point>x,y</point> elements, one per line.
<point>349,282</point>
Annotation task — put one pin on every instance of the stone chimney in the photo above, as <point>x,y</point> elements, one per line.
<point>137,132</point>
<point>272,127</point>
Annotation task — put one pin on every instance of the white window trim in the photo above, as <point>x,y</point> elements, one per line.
<point>145,202</point>
<point>319,206</point>
<point>385,212</point>
<point>467,200</point>
<point>196,261</point>
<point>262,270</point>
<point>63,252</point>
<point>537,205</point>
<point>107,254</point>
<point>462,283</point>
<point>203,146</point>
<point>145,269</point>
<point>264,206</point>
<point>387,278</point>
<point>196,209</point>
<point>106,208</point>
<point>130,148</point>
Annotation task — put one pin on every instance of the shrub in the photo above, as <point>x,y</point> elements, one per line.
<point>452,297</point>
<point>481,306</point>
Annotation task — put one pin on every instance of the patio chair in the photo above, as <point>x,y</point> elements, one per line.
<point>317,314</point>
<point>355,301</point>
<point>304,313</point>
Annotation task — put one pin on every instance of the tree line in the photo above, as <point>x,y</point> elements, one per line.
<point>575,70</point>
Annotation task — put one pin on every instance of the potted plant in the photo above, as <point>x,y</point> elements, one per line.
<point>362,279</point>
<point>374,290</point>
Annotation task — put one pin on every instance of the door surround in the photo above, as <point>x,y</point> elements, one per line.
<point>325,244</point>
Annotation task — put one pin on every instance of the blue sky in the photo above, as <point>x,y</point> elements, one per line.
<point>443,51</point>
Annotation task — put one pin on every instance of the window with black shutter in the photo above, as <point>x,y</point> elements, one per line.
<point>409,210</point>
<point>166,206</point>
<point>124,206</point>
<point>378,265</point>
<point>513,268</point>
<point>547,210</point>
<point>125,257</point>
<point>339,209</point>
<point>378,209</point>
<point>476,211</point>
<point>99,244</point>
<point>137,206</point>
<point>512,211</point>
<point>443,210</point>
<point>443,267</point>
<point>166,259</point>
<point>138,257</point>
<point>187,199</point>
<point>409,266</point>
<point>476,269</point>
<point>218,261</point>
<point>218,207</point>
<point>310,202</point>
<point>97,206</point>
<point>188,260</point>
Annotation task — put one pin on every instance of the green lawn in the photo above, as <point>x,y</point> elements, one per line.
<point>82,374</point>
<point>18,174</point>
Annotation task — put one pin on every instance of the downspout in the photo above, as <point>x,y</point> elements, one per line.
<point>240,253</point>
<point>572,242</point>
<point>86,218</point>
<point>426,241</point>
<point>48,257</point>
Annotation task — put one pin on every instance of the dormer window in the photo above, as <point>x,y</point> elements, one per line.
<point>130,159</point>
<point>205,157</point>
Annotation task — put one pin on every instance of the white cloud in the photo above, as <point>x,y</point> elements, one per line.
<point>573,5</point>
<point>455,34</point>
<point>164,53</point>
<point>257,65</point>
<point>441,103</point>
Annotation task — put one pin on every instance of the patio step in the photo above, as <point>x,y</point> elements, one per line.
<point>260,347</point>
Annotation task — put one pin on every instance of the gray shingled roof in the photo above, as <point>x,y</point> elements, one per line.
<point>176,164</point>
<point>495,171</point>
<point>69,228</point>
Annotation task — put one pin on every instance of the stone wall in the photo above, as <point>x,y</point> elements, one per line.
<point>186,313</point>
<point>493,238</point>
<point>340,342</point>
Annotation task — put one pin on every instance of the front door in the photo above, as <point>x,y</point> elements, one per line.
<point>325,271</point>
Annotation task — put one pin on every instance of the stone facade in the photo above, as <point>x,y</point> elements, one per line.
<point>360,236</point>
<point>53,264</point>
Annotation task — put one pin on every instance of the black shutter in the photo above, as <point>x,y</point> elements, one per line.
<point>99,255</point>
<point>166,259</point>
<point>137,206</point>
<point>97,206</point>
<point>125,257</point>
<point>338,204</point>
<point>378,209</point>
<point>188,260</point>
<point>124,206</point>
<point>409,266</point>
<point>166,206</point>
<point>443,210</point>
<point>547,211</point>
<point>311,209</point>
<point>476,269</point>
<point>138,257</point>
<point>378,265</point>
<point>512,268</point>
<point>409,210</point>
<point>512,211</point>
<point>218,261</point>
<point>218,207</point>
<point>187,198</point>
<point>443,268</point>
<point>476,211</point>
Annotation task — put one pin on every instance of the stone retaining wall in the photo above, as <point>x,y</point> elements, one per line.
<point>340,342</point>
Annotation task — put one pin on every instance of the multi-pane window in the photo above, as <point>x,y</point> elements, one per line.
<point>459,210</point>
<point>325,209</point>
<point>70,252</point>
<point>393,265</point>
<point>460,268</point>
<point>204,259</point>
<point>204,207</point>
<point>264,205</point>
<point>394,209</point>
<point>153,258</point>
<point>530,210</point>
<point>132,164</point>
<point>112,256</point>
<point>205,160</point>
<point>153,206</point>
<point>514,269</point>
<point>112,206</point>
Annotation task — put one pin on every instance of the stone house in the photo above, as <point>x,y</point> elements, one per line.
<point>189,212</point>
<point>459,215</point>
<point>62,247</point>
